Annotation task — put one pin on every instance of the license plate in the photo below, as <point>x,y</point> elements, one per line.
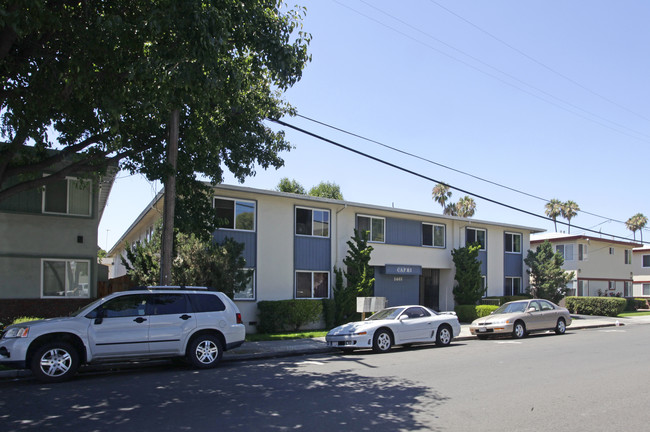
<point>481,329</point>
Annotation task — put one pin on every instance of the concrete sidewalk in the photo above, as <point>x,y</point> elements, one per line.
<point>294,347</point>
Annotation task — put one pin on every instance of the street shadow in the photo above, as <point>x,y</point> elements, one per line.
<point>269,395</point>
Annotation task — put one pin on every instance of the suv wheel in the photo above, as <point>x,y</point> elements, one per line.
<point>205,351</point>
<point>55,362</point>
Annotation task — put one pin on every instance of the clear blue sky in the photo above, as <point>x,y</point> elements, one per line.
<point>547,97</point>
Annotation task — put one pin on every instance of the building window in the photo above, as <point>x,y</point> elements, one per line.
<point>433,235</point>
<point>627,289</point>
<point>235,214</point>
<point>583,288</point>
<point>513,286</point>
<point>65,278</point>
<point>475,235</point>
<point>375,226</point>
<point>513,243</point>
<point>312,222</point>
<point>628,256</point>
<point>68,196</point>
<point>611,285</point>
<point>582,252</point>
<point>646,261</point>
<point>566,251</point>
<point>312,284</point>
<point>611,251</point>
<point>248,292</point>
<point>646,289</point>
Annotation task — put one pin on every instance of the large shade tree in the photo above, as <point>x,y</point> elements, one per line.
<point>98,80</point>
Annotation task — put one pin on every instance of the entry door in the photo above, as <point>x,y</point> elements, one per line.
<point>430,288</point>
<point>120,328</point>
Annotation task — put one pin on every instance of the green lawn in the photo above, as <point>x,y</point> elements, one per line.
<point>283,336</point>
<point>632,314</point>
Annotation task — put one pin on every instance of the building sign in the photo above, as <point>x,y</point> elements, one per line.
<point>403,270</point>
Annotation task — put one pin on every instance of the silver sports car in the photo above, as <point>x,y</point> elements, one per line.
<point>400,325</point>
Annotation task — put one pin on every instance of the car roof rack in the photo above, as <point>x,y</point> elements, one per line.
<point>170,287</point>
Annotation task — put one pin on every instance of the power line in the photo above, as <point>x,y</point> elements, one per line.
<point>616,127</point>
<point>416,174</point>
<point>607,219</point>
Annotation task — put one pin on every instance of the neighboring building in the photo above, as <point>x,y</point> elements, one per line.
<point>48,246</point>
<point>641,269</point>
<point>600,266</point>
<point>293,242</point>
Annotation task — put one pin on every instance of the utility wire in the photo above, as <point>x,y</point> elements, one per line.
<point>607,219</point>
<point>534,60</point>
<point>416,174</point>
<point>617,127</point>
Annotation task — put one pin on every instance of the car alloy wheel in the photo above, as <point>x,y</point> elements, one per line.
<point>560,328</point>
<point>443,338</point>
<point>55,362</point>
<point>519,330</point>
<point>205,351</point>
<point>382,341</point>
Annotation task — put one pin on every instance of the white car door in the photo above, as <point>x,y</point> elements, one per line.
<point>120,327</point>
<point>416,325</point>
<point>170,323</point>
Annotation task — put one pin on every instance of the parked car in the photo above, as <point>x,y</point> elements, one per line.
<point>399,325</point>
<point>154,322</point>
<point>519,318</point>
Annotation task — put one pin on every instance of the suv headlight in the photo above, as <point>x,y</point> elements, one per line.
<point>16,332</point>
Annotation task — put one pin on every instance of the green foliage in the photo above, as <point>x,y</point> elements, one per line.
<point>25,319</point>
<point>549,281</point>
<point>195,263</point>
<point>290,186</point>
<point>327,190</point>
<point>101,254</point>
<point>468,313</point>
<point>359,275</point>
<point>282,315</point>
<point>329,312</point>
<point>99,79</point>
<point>469,282</point>
<point>602,306</point>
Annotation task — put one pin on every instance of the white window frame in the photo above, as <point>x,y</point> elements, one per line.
<point>234,216</point>
<point>512,246</point>
<point>68,181</point>
<point>313,224</point>
<point>628,256</point>
<point>66,283</point>
<point>611,285</point>
<point>646,289</point>
<point>433,235</point>
<point>484,246</point>
<point>513,278</point>
<point>254,287</point>
<point>371,232</point>
<point>583,252</point>
<point>312,273</point>
<point>564,248</point>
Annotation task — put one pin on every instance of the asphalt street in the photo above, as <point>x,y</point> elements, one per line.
<point>585,380</point>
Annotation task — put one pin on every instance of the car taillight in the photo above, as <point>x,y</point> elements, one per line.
<point>239,321</point>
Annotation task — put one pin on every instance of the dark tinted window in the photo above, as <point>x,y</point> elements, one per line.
<point>416,312</point>
<point>123,306</point>
<point>303,221</point>
<point>169,304</point>
<point>206,303</point>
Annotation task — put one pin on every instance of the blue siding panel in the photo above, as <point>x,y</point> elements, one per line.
<point>513,265</point>
<point>247,237</point>
<point>312,253</point>
<point>403,232</point>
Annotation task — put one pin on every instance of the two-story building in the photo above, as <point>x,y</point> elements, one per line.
<point>48,246</point>
<point>293,242</point>
<point>600,266</point>
<point>641,269</point>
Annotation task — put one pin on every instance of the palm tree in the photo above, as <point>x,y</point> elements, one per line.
<point>553,210</point>
<point>466,207</point>
<point>569,210</point>
<point>441,195</point>
<point>637,223</point>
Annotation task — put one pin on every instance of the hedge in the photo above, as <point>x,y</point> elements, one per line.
<point>603,306</point>
<point>468,313</point>
<point>283,315</point>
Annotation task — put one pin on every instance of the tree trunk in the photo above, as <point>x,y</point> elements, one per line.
<point>167,246</point>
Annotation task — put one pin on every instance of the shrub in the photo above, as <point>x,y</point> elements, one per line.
<point>468,313</point>
<point>282,315</point>
<point>329,313</point>
<point>640,303</point>
<point>604,306</point>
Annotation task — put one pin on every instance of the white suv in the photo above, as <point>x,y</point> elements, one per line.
<point>154,322</point>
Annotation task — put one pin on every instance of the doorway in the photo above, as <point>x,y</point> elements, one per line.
<point>430,289</point>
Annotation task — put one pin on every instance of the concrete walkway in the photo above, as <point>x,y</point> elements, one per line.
<point>294,347</point>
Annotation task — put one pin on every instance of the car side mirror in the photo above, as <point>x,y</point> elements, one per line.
<point>532,309</point>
